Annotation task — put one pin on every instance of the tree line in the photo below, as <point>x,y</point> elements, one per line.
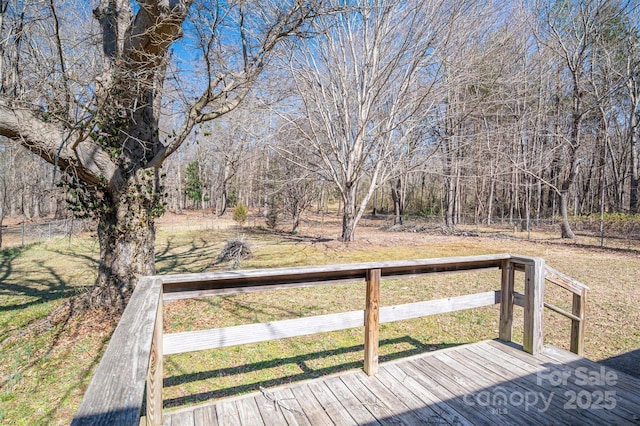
<point>519,110</point>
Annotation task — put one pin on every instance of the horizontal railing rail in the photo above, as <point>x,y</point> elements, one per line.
<point>190,341</point>
<point>132,363</point>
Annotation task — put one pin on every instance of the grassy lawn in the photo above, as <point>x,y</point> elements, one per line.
<point>47,356</point>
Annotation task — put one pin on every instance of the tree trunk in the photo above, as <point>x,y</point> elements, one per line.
<point>127,244</point>
<point>396,195</point>
<point>2,213</point>
<point>635,179</point>
<point>296,221</point>
<point>349,215</point>
<point>634,127</point>
<point>223,201</point>
<point>565,228</point>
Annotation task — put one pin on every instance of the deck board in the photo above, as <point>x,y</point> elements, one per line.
<point>331,404</point>
<point>270,411</point>
<point>484,383</point>
<point>496,363</point>
<point>310,405</point>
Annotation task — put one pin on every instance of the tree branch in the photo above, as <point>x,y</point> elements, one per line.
<point>44,139</point>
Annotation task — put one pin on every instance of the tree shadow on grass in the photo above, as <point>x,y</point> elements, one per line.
<point>48,286</point>
<point>196,258</point>
<point>302,361</point>
<point>78,384</point>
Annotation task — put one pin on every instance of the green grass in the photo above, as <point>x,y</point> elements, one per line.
<point>45,369</point>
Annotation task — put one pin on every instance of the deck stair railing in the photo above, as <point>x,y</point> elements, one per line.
<point>130,371</point>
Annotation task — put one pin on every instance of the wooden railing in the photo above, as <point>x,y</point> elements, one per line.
<point>132,363</point>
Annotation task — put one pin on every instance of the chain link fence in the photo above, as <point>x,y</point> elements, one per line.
<point>617,231</point>
<point>24,233</point>
<point>614,231</point>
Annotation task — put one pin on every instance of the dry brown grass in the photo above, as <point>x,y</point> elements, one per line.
<point>46,370</point>
<point>613,318</point>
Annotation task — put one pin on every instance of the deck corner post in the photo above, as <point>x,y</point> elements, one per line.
<point>533,338</point>
<point>577,327</point>
<point>506,301</point>
<point>372,322</point>
<point>154,377</point>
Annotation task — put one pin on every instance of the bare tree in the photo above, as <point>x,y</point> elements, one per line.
<point>632,74</point>
<point>100,123</point>
<point>365,85</point>
<point>571,31</point>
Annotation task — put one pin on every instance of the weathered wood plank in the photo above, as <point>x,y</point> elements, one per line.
<point>443,394</point>
<point>425,413</point>
<point>154,378</point>
<point>439,388</point>
<point>561,311</point>
<point>627,405</point>
<point>183,418</point>
<point>383,413</point>
<point>484,382</point>
<point>506,301</point>
<point>248,412</point>
<point>397,407</point>
<point>579,307</point>
<point>533,333</point>
<point>270,411</point>
<point>439,306</point>
<point>372,322</point>
<point>496,361</point>
<point>116,391</point>
<point>459,383</point>
<point>311,406</point>
<point>228,414</point>
<point>518,300</point>
<point>564,281</point>
<point>623,381</point>
<point>189,341</point>
<point>434,403</point>
<point>334,409</point>
<point>290,407</point>
<point>349,401</point>
<point>205,415</point>
<point>197,285</point>
<point>624,407</point>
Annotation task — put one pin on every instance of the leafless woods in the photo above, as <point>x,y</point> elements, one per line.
<point>518,110</point>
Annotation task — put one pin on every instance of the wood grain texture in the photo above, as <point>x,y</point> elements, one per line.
<point>455,386</point>
<point>202,284</point>
<point>138,344</point>
<point>533,332</point>
<point>372,322</point>
<point>116,391</point>
<point>438,306</point>
<point>330,404</point>
<point>506,301</point>
<point>564,281</point>
<point>154,378</point>
<point>577,325</point>
<point>190,341</point>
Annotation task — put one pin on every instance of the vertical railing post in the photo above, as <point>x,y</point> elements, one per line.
<point>154,377</point>
<point>533,341</point>
<point>372,322</point>
<point>577,327</point>
<point>506,301</point>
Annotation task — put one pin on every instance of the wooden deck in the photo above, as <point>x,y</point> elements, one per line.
<point>486,383</point>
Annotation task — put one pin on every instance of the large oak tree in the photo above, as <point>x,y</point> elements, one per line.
<point>92,98</point>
